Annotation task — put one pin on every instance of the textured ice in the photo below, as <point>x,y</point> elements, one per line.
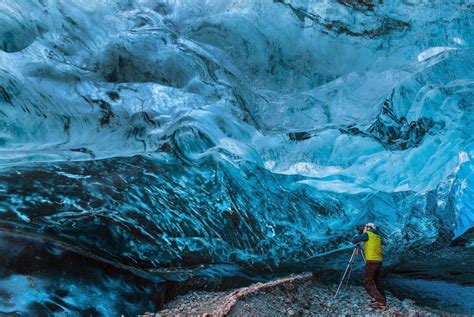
<point>169,134</point>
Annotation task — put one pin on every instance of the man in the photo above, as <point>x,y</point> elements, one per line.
<point>373,266</point>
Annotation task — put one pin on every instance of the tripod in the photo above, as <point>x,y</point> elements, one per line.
<point>349,267</point>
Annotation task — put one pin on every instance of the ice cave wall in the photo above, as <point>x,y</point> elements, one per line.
<point>158,134</point>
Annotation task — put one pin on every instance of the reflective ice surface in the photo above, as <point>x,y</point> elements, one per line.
<point>164,134</point>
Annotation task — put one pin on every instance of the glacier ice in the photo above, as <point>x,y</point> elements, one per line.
<point>168,134</point>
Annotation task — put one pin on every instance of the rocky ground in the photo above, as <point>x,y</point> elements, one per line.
<point>297,295</point>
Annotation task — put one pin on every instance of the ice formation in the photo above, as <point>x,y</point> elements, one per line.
<point>173,134</point>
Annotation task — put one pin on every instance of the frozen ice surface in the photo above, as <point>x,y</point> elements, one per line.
<point>159,134</point>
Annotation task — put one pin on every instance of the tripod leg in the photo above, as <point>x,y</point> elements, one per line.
<point>349,275</point>
<point>345,272</point>
<point>352,266</point>
<point>342,280</point>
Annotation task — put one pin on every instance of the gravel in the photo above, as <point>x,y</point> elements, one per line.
<point>297,295</point>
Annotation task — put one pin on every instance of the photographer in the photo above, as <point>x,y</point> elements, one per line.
<point>373,267</point>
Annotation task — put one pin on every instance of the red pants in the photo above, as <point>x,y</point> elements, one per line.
<point>372,281</point>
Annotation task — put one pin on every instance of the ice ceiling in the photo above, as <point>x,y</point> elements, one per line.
<point>170,134</point>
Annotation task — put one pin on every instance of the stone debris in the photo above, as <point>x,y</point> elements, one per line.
<point>296,295</point>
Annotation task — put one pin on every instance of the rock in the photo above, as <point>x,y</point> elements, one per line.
<point>276,299</point>
<point>411,313</point>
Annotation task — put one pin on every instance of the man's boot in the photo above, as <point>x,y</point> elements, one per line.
<point>379,305</point>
